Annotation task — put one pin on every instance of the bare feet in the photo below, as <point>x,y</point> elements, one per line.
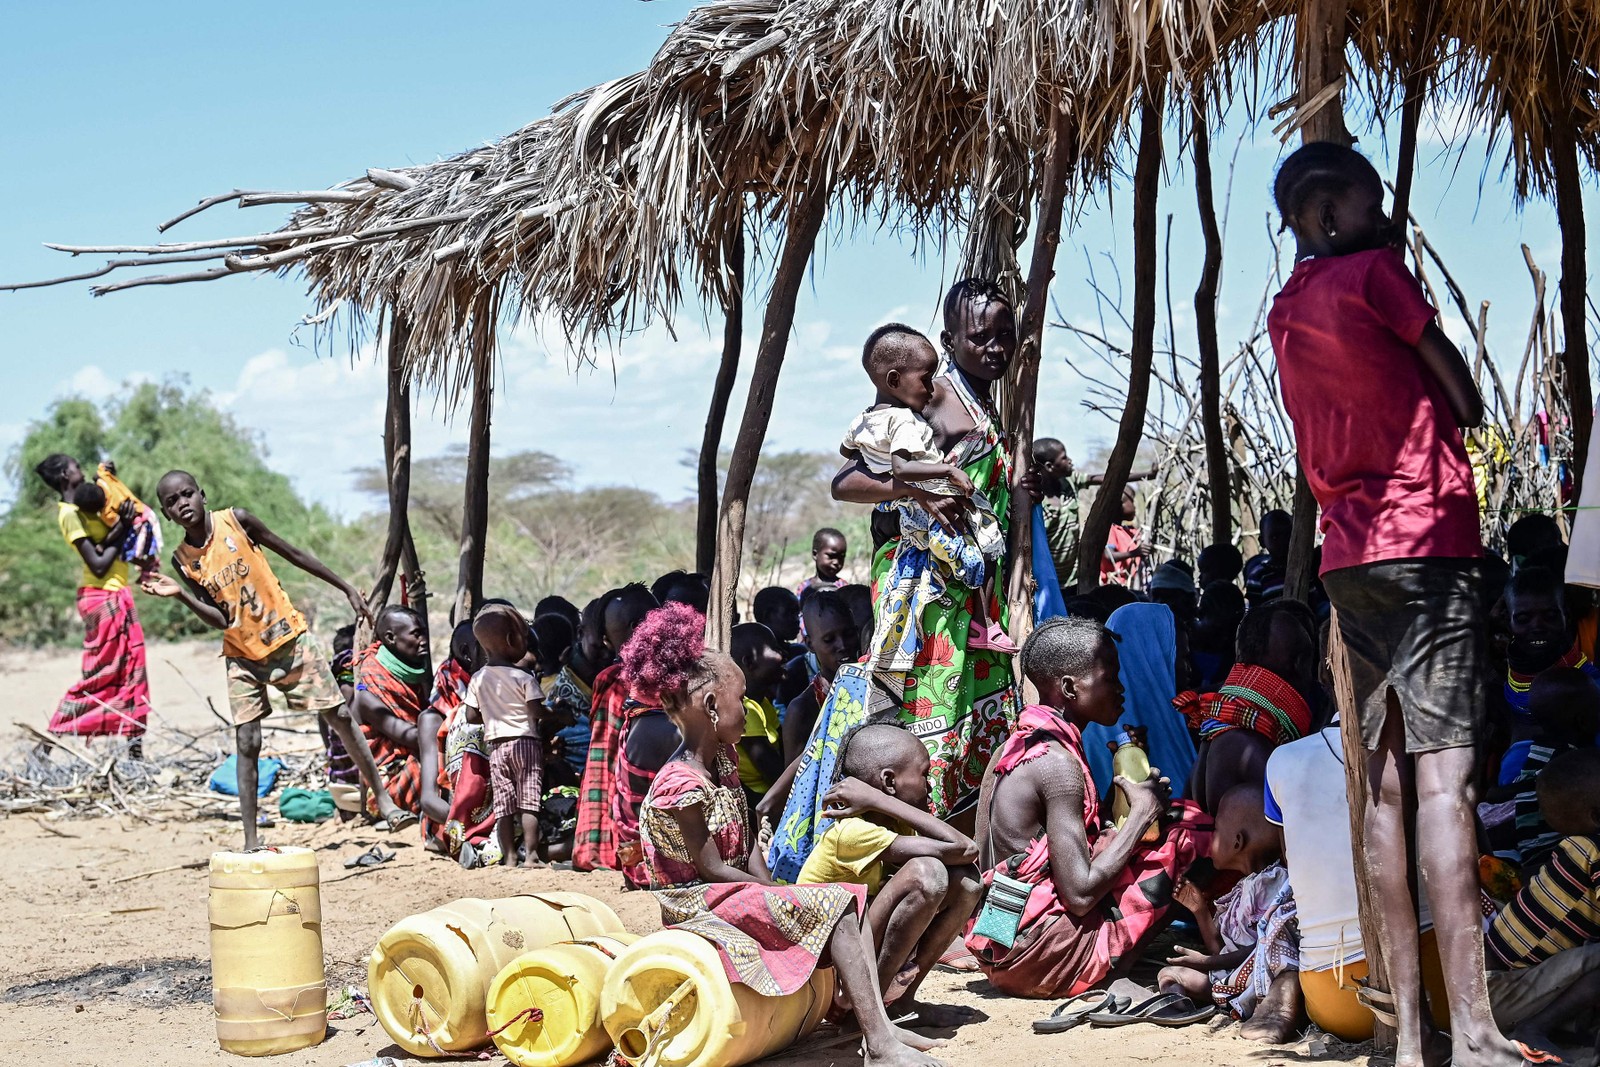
<point>1269,1027</point>
<point>1489,1049</point>
<point>1435,1052</point>
<point>920,1042</point>
<point>1277,1017</point>
<point>899,1054</point>
<point>533,863</point>
<point>936,1016</point>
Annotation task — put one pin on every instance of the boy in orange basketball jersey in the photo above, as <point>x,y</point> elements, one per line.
<point>228,582</point>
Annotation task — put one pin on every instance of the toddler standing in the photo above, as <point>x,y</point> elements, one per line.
<point>509,703</point>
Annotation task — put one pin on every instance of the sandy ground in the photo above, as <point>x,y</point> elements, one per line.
<point>103,969</point>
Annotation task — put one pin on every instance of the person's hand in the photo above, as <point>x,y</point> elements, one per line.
<point>630,853</point>
<point>1032,484</point>
<point>1190,896</point>
<point>110,465</point>
<point>764,836</point>
<point>849,798</point>
<point>127,511</point>
<point>961,480</point>
<point>358,604</point>
<point>1146,799</point>
<point>949,511</point>
<point>162,585</point>
<point>767,807</point>
<point>1190,958</point>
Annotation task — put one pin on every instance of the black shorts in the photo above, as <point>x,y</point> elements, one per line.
<point>1414,626</point>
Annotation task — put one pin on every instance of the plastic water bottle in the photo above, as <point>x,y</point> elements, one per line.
<point>1128,760</point>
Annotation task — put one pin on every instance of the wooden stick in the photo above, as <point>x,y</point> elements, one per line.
<point>390,179</point>
<point>1130,428</point>
<point>705,525</point>
<point>324,196</point>
<point>276,238</point>
<point>1205,319</point>
<point>193,865</point>
<point>115,264</point>
<point>1052,195</point>
<point>805,223</point>
<point>1356,786</point>
<point>208,202</point>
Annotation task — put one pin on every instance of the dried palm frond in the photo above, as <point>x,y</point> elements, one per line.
<point>924,115</point>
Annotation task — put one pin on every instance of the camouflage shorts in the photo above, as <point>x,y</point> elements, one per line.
<point>297,670</point>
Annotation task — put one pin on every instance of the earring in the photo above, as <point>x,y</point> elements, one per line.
<point>711,713</point>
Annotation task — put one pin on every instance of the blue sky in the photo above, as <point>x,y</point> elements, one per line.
<point>118,116</point>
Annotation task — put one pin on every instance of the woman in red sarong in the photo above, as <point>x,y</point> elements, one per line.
<point>112,698</point>
<point>694,834</point>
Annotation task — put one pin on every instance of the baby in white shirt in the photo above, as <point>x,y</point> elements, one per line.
<point>892,437</point>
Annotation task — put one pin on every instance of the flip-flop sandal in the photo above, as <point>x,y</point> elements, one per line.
<point>1064,1018</point>
<point>370,858</point>
<point>400,820</point>
<point>1163,1009</point>
<point>1533,1055</point>
<point>959,960</point>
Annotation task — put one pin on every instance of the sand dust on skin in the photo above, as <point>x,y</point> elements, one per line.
<point>105,974</point>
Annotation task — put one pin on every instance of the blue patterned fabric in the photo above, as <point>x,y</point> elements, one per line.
<point>803,822</point>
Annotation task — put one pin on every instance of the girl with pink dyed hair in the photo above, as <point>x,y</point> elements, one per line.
<point>707,874</point>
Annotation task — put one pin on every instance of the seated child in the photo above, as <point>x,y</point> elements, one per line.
<point>510,704</point>
<point>143,544</point>
<point>893,437</point>
<point>920,873</point>
<point>1250,934</point>
<point>1544,947</point>
<point>1565,705</point>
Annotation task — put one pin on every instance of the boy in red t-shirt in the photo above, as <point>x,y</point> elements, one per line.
<point>1378,395</point>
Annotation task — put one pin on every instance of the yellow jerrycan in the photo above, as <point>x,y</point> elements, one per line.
<point>429,975</point>
<point>267,984</point>
<point>544,1007</point>
<point>667,1002</point>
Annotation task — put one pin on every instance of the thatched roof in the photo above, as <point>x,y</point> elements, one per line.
<point>599,214</point>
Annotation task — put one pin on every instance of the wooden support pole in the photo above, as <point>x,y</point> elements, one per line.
<point>1320,35</point>
<point>805,223</point>
<point>475,500</point>
<point>1574,289</point>
<point>1022,399</point>
<point>1130,429</point>
<point>705,530</point>
<point>1354,754</point>
<point>396,458</point>
<point>1419,66</point>
<point>1205,321</point>
<point>1322,30</point>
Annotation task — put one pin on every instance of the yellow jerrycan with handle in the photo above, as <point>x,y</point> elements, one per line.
<point>268,988</point>
<point>544,1007</point>
<point>429,975</point>
<point>667,1002</point>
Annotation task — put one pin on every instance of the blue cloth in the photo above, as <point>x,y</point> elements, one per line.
<point>1149,653</point>
<point>803,822</point>
<point>225,779</point>
<point>575,743</point>
<point>1047,599</point>
<point>1512,762</point>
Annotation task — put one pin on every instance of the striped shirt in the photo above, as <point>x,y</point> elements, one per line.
<point>1535,839</point>
<point>1558,909</point>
